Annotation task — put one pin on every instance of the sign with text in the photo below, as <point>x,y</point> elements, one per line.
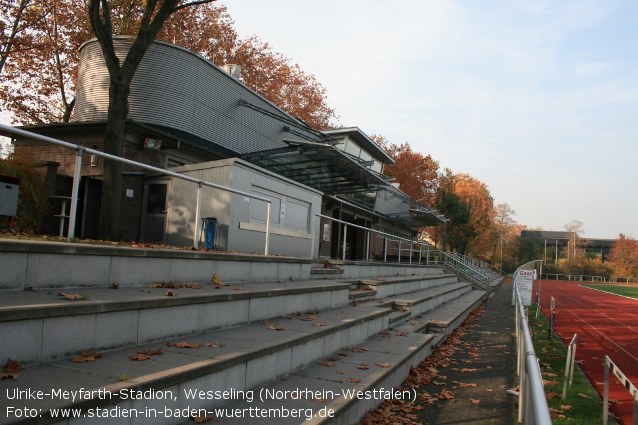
<point>524,280</point>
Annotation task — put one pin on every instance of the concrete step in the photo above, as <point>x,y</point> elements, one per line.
<point>446,317</point>
<point>247,357</point>
<point>322,394</point>
<point>421,301</point>
<point>388,286</point>
<point>325,272</point>
<point>40,326</point>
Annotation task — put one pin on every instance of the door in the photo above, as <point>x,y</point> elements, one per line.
<point>155,208</point>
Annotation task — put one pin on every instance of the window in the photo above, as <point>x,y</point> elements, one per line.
<point>258,209</point>
<point>285,213</point>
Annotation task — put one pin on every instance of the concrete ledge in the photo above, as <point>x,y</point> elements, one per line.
<point>57,265</point>
<point>250,356</point>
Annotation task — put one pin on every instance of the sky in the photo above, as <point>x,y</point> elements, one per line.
<point>538,100</point>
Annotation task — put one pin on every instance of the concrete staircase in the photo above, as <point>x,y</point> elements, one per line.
<point>305,347</point>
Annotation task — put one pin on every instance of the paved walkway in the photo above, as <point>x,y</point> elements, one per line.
<point>480,370</point>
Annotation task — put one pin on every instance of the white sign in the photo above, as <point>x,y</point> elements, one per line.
<point>524,281</point>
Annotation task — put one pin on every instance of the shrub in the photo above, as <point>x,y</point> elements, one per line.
<point>32,199</point>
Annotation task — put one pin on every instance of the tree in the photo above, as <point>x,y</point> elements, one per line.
<point>39,85</point>
<point>155,13</point>
<point>13,34</point>
<point>417,174</point>
<point>575,228</point>
<point>502,222</point>
<point>623,257</point>
<point>481,205</point>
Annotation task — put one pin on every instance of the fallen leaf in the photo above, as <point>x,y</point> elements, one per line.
<point>275,328</point>
<point>358,350</point>
<point>71,297</point>
<point>383,364</point>
<point>139,357</point>
<point>475,401</point>
<point>354,380</point>
<point>341,372</point>
<point>583,395</point>
<point>12,376</point>
<point>319,324</point>
<point>345,354</point>
<point>328,364</point>
<point>114,285</point>
<point>363,366</point>
<point>551,395</point>
<point>213,345</point>
<point>12,366</point>
<point>170,293</point>
<point>202,419</point>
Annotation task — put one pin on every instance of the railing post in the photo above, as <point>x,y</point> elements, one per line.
<point>267,228</point>
<point>399,251</point>
<point>427,255</point>
<point>385,249</point>
<point>606,394</point>
<point>368,247</point>
<point>410,252</point>
<point>420,253</point>
<point>198,215</point>
<point>312,232</point>
<point>345,232</point>
<point>75,192</point>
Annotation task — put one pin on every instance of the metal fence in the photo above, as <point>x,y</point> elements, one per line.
<point>588,278</point>
<point>532,404</point>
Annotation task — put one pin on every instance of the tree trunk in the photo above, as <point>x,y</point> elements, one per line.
<point>110,211</point>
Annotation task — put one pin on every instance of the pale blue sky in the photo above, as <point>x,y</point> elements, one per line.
<point>539,100</point>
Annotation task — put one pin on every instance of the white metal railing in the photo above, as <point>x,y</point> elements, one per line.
<point>589,278</point>
<point>609,365</point>
<point>4,129</point>
<point>386,237</point>
<point>569,366</point>
<point>466,269</point>
<point>532,403</point>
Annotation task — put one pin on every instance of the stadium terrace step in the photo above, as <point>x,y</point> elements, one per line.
<point>388,286</point>
<point>446,317</point>
<point>272,319</point>
<point>241,358</point>
<point>427,299</point>
<point>37,326</point>
<point>374,368</point>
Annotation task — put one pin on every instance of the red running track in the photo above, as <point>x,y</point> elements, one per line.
<point>606,324</point>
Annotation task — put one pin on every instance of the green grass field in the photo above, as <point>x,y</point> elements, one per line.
<point>627,291</point>
<point>582,405</point>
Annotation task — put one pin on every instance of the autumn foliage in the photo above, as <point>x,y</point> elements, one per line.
<point>41,40</point>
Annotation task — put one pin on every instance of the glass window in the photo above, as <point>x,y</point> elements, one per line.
<point>297,214</point>
<point>258,208</point>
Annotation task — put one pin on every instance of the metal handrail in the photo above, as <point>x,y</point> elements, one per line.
<point>386,237</point>
<point>532,403</point>
<point>465,269</point>
<point>76,180</point>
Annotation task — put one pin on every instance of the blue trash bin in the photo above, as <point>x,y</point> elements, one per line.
<point>210,229</point>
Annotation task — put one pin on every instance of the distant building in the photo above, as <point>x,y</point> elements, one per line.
<point>601,247</point>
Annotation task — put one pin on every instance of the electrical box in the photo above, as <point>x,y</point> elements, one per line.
<point>8,199</point>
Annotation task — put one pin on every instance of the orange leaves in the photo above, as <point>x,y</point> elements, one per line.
<point>445,395</point>
<point>353,380</point>
<point>475,401</point>
<point>202,419</point>
<point>72,297</point>
<point>583,395</point>
<point>141,356</point>
<point>213,345</point>
<point>170,293</point>
<point>11,367</point>
<point>319,324</point>
<point>183,344</point>
<point>87,357</point>
<point>383,364</point>
<point>358,350</point>
<point>114,285</point>
<point>363,366</point>
<point>327,364</point>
